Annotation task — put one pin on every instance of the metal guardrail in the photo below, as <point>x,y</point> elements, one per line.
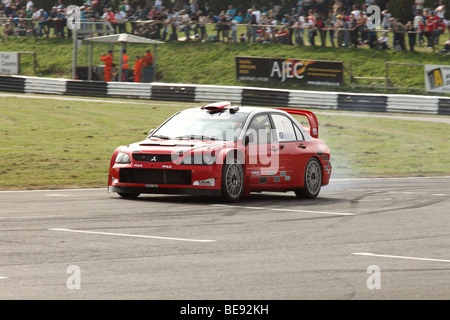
<point>240,95</point>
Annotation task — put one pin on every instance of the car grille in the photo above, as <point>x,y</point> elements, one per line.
<point>155,176</point>
<point>153,157</point>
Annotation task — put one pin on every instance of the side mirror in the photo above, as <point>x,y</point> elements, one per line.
<point>151,131</point>
<point>249,138</point>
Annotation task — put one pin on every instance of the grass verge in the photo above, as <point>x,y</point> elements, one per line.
<point>47,144</point>
<point>214,62</point>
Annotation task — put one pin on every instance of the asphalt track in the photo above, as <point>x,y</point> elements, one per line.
<point>361,239</point>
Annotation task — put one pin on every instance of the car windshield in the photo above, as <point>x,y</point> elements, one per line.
<point>202,125</point>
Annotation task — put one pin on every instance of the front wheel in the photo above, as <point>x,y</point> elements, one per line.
<point>312,180</point>
<point>232,181</point>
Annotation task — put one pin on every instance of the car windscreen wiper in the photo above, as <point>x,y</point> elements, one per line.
<point>160,136</point>
<point>195,136</point>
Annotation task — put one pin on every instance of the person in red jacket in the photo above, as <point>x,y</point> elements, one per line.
<point>125,59</point>
<point>108,61</point>
<point>148,59</point>
<point>429,32</point>
<point>138,64</point>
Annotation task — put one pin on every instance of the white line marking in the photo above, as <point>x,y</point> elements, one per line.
<point>129,235</point>
<point>397,257</point>
<point>3,277</point>
<point>285,210</point>
<point>29,217</point>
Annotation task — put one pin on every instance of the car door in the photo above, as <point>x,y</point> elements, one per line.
<point>293,153</point>
<point>261,154</point>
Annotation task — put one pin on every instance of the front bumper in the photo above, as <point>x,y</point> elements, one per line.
<point>166,179</point>
<point>165,190</point>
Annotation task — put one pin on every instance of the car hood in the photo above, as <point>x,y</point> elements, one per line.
<point>160,146</point>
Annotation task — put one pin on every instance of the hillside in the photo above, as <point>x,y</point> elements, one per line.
<point>214,62</point>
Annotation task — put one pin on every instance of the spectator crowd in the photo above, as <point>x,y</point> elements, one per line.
<point>338,23</point>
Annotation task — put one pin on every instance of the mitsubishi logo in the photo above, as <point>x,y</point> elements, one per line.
<point>153,159</point>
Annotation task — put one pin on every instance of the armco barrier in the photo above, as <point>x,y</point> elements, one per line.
<point>265,97</point>
<point>173,92</point>
<point>45,85</point>
<point>314,99</point>
<point>87,88</point>
<point>12,84</point>
<point>239,95</point>
<point>208,93</point>
<point>360,102</point>
<point>410,104</point>
<point>444,107</point>
<point>130,90</point>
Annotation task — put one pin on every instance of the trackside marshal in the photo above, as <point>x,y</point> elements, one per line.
<point>9,63</point>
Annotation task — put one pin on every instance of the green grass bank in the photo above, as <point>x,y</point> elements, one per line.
<point>213,63</point>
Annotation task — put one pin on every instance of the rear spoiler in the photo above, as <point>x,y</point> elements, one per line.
<point>313,123</point>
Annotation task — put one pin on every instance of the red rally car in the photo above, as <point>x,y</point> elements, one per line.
<point>226,151</point>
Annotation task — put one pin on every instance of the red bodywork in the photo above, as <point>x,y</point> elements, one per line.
<point>156,165</point>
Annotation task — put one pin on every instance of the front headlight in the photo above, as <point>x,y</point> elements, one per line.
<point>123,157</point>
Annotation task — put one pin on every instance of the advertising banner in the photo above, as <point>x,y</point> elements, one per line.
<point>437,78</point>
<point>9,63</point>
<point>293,71</point>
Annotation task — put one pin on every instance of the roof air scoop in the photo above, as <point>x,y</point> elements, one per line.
<point>217,107</point>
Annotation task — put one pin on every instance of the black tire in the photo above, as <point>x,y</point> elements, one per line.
<point>312,180</point>
<point>232,181</point>
<point>128,195</point>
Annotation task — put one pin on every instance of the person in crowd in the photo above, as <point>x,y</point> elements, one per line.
<point>399,34</point>
<point>383,41</point>
<point>120,18</point>
<point>43,22</point>
<point>186,24</point>
<point>446,48</point>
<point>336,10</point>
<point>108,15</point>
<point>418,6</point>
<point>412,35</point>
<point>419,26</point>
<point>150,19</point>
<point>385,18</point>
<point>282,36</point>
<point>264,37</point>
<point>203,20</point>
<point>108,60</point>
<point>340,26</point>
<point>59,23</point>
<point>311,27</point>
<point>430,25</point>
<point>440,10</point>
<point>299,29</point>
<point>439,29</point>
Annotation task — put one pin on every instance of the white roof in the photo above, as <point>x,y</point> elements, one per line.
<point>124,37</point>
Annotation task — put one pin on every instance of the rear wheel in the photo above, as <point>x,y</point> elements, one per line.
<point>128,195</point>
<point>312,180</point>
<point>232,181</point>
